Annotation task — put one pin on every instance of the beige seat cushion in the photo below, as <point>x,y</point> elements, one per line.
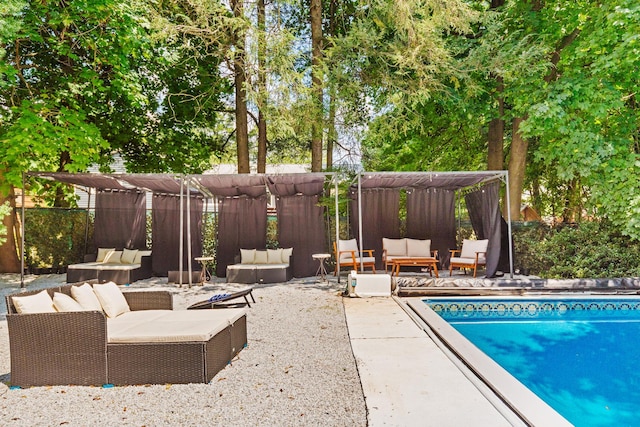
<point>274,256</point>
<point>394,247</point>
<point>470,247</point>
<point>64,303</point>
<point>86,297</point>
<point>111,299</point>
<point>170,326</point>
<point>128,256</point>
<point>38,303</point>
<point>247,256</point>
<point>418,248</point>
<point>347,245</point>
<point>139,255</point>
<point>286,255</point>
<point>103,252</point>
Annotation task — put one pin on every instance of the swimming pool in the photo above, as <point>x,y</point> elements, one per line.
<point>578,354</point>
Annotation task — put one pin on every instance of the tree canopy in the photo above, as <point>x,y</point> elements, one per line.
<point>547,90</point>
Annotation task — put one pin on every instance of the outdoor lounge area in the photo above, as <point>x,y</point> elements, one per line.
<point>84,335</point>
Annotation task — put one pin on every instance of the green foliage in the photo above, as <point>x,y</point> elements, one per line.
<point>587,250</point>
<point>5,209</point>
<point>55,237</point>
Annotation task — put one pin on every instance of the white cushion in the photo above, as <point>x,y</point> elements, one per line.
<point>38,303</point>
<point>247,256</point>
<point>395,247</point>
<point>418,248</point>
<point>261,257</point>
<point>128,256</point>
<point>113,257</point>
<point>170,325</point>
<point>86,297</point>
<point>347,245</point>
<point>274,256</point>
<point>470,247</point>
<point>64,303</point>
<point>111,299</point>
<point>286,254</point>
<point>102,253</point>
<point>139,255</point>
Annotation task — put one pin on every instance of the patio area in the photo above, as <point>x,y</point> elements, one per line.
<point>314,358</point>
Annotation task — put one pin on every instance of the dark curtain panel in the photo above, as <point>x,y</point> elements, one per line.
<point>431,215</point>
<point>120,220</point>
<point>484,211</point>
<point>242,224</point>
<point>380,218</point>
<point>165,233</point>
<point>301,227</point>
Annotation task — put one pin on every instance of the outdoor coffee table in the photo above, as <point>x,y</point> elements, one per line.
<point>428,262</point>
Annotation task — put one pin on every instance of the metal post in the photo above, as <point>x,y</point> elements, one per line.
<point>22,211</point>
<point>335,178</point>
<point>360,221</point>
<point>189,269</point>
<point>181,234</point>
<point>86,222</point>
<point>509,225</point>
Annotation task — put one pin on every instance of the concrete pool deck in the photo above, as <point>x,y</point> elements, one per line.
<point>405,376</point>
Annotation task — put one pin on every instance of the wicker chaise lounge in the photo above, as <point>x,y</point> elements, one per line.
<point>87,348</point>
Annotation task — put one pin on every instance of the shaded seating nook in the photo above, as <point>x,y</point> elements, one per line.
<point>177,206</point>
<point>431,199</point>
<point>472,255</point>
<point>348,254</point>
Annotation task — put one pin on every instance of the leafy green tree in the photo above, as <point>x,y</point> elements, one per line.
<point>66,67</point>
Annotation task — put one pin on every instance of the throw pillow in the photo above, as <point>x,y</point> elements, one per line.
<point>418,248</point>
<point>286,254</point>
<point>111,299</point>
<point>113,257</point>
<point>470,247</point>
<point>38,303</point>
<point>395,247</point>
<point>128,256</point>
<point>247,256</point>
<point>261,257</point>
<point>64,302</point>
<point>102,253</point>
<point>274,256</point>
<point>139,255</point>
<point>86,297</point>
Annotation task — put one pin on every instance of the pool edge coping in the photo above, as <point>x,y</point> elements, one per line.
<point>521,401</point>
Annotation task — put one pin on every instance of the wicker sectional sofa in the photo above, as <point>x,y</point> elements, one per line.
<point>150,344</point>
<point>110,265</point>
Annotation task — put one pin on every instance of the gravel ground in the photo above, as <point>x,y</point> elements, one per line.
<point>298,369</point>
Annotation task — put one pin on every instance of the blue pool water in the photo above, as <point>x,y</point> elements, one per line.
<point>581,356</point>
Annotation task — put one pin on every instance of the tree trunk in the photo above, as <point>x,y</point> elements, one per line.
<point>332,135</point>
<point>316,82</point>
<point>262,88</point>
<point>517,168</point>
<point>9,260</point>
<point>495,158</point>
<point>242,132</point>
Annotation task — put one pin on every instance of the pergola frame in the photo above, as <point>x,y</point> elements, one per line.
<point>173,184</point>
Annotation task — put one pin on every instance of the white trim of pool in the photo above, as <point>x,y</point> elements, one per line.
<point>527,405</point>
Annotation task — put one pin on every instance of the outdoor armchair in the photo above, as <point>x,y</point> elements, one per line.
<point>348,254</point>
<point>472,255</point>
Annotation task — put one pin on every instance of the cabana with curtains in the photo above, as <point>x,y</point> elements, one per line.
<point>177,213</point>
<point>431,202</point>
